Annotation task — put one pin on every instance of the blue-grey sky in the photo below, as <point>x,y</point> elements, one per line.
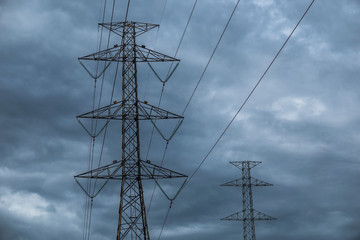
<point>302,122</point>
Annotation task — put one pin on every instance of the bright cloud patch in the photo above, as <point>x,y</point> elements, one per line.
<point>27,205</point>
<point>297,108</point>
<point>263,3</point>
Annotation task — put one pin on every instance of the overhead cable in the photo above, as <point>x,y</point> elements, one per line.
<point>212,55</point>
<point>169,74</point>
<point>250,94</point>
<point>241,107</point>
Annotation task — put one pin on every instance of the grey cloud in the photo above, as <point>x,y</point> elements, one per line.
<point>309,152</point>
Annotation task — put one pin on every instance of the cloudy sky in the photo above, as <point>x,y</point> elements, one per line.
<point>302,122</point>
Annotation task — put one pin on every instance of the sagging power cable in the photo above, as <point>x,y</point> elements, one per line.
<point>242,105</point>
<point>169,74</point>
<point>89,200</point>
<point>193,93</point>
<point>211,57</point>
<point>251,93</point>
<point>88,204</point>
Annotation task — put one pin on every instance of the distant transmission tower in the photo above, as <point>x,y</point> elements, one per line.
<point>131,169</point>
<point>248,215</point>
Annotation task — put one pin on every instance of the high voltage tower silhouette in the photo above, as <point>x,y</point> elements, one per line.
<point>131,170</point>
<point>248,215</point>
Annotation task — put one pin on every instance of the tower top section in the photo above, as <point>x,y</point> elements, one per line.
<point>128,32</point>
<point>245,164</point>
<point>119,27</point>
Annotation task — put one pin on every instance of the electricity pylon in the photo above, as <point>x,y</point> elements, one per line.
<point>248,215</point>
<point>131,170</point>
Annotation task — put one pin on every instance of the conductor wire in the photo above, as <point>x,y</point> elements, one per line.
<point>162,91</point>
<point>212,55</point>
<point>250,94</point>
<point>242,105</point>
<point>193,93</point>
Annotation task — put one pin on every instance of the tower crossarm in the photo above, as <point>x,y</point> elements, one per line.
<point>240,183</point>
<point>111,54</point>
<point>140,28</point>
<point>147,55</point>
<point>130,170</point>
<point>149,171</point>
<point>110,171</point>
<point>143,54</point>
<point>151,112</point>
<point>152,171</point>
<point>114,112</point>
<point>247,215</point>
<point>245,164</point>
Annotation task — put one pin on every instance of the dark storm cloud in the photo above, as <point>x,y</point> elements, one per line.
<point>302,122</point>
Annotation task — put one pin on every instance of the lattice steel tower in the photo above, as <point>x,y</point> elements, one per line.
<point>131,170</point>
<point>248,215</point>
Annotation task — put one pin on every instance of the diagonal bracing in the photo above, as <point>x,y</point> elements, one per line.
<point>113,171</point>
<point>145,112</point>
<point>248,215</point>
<point>131,170</point>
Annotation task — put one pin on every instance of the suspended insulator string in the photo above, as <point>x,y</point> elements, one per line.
<point>250,94</point>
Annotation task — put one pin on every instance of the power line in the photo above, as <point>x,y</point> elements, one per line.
<point>197,85</point>
<point>187,24</point>
<point>241,107</point>
<point>212,55</point>
<point>202,75</point>
<point>156,39</point>
<point>89,206</point>
<point>161,95</point>
<point>176,52</point>
<point>250,94</point>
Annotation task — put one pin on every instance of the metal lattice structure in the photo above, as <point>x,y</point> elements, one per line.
<point>248,215</point>
<point>131,170</point>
